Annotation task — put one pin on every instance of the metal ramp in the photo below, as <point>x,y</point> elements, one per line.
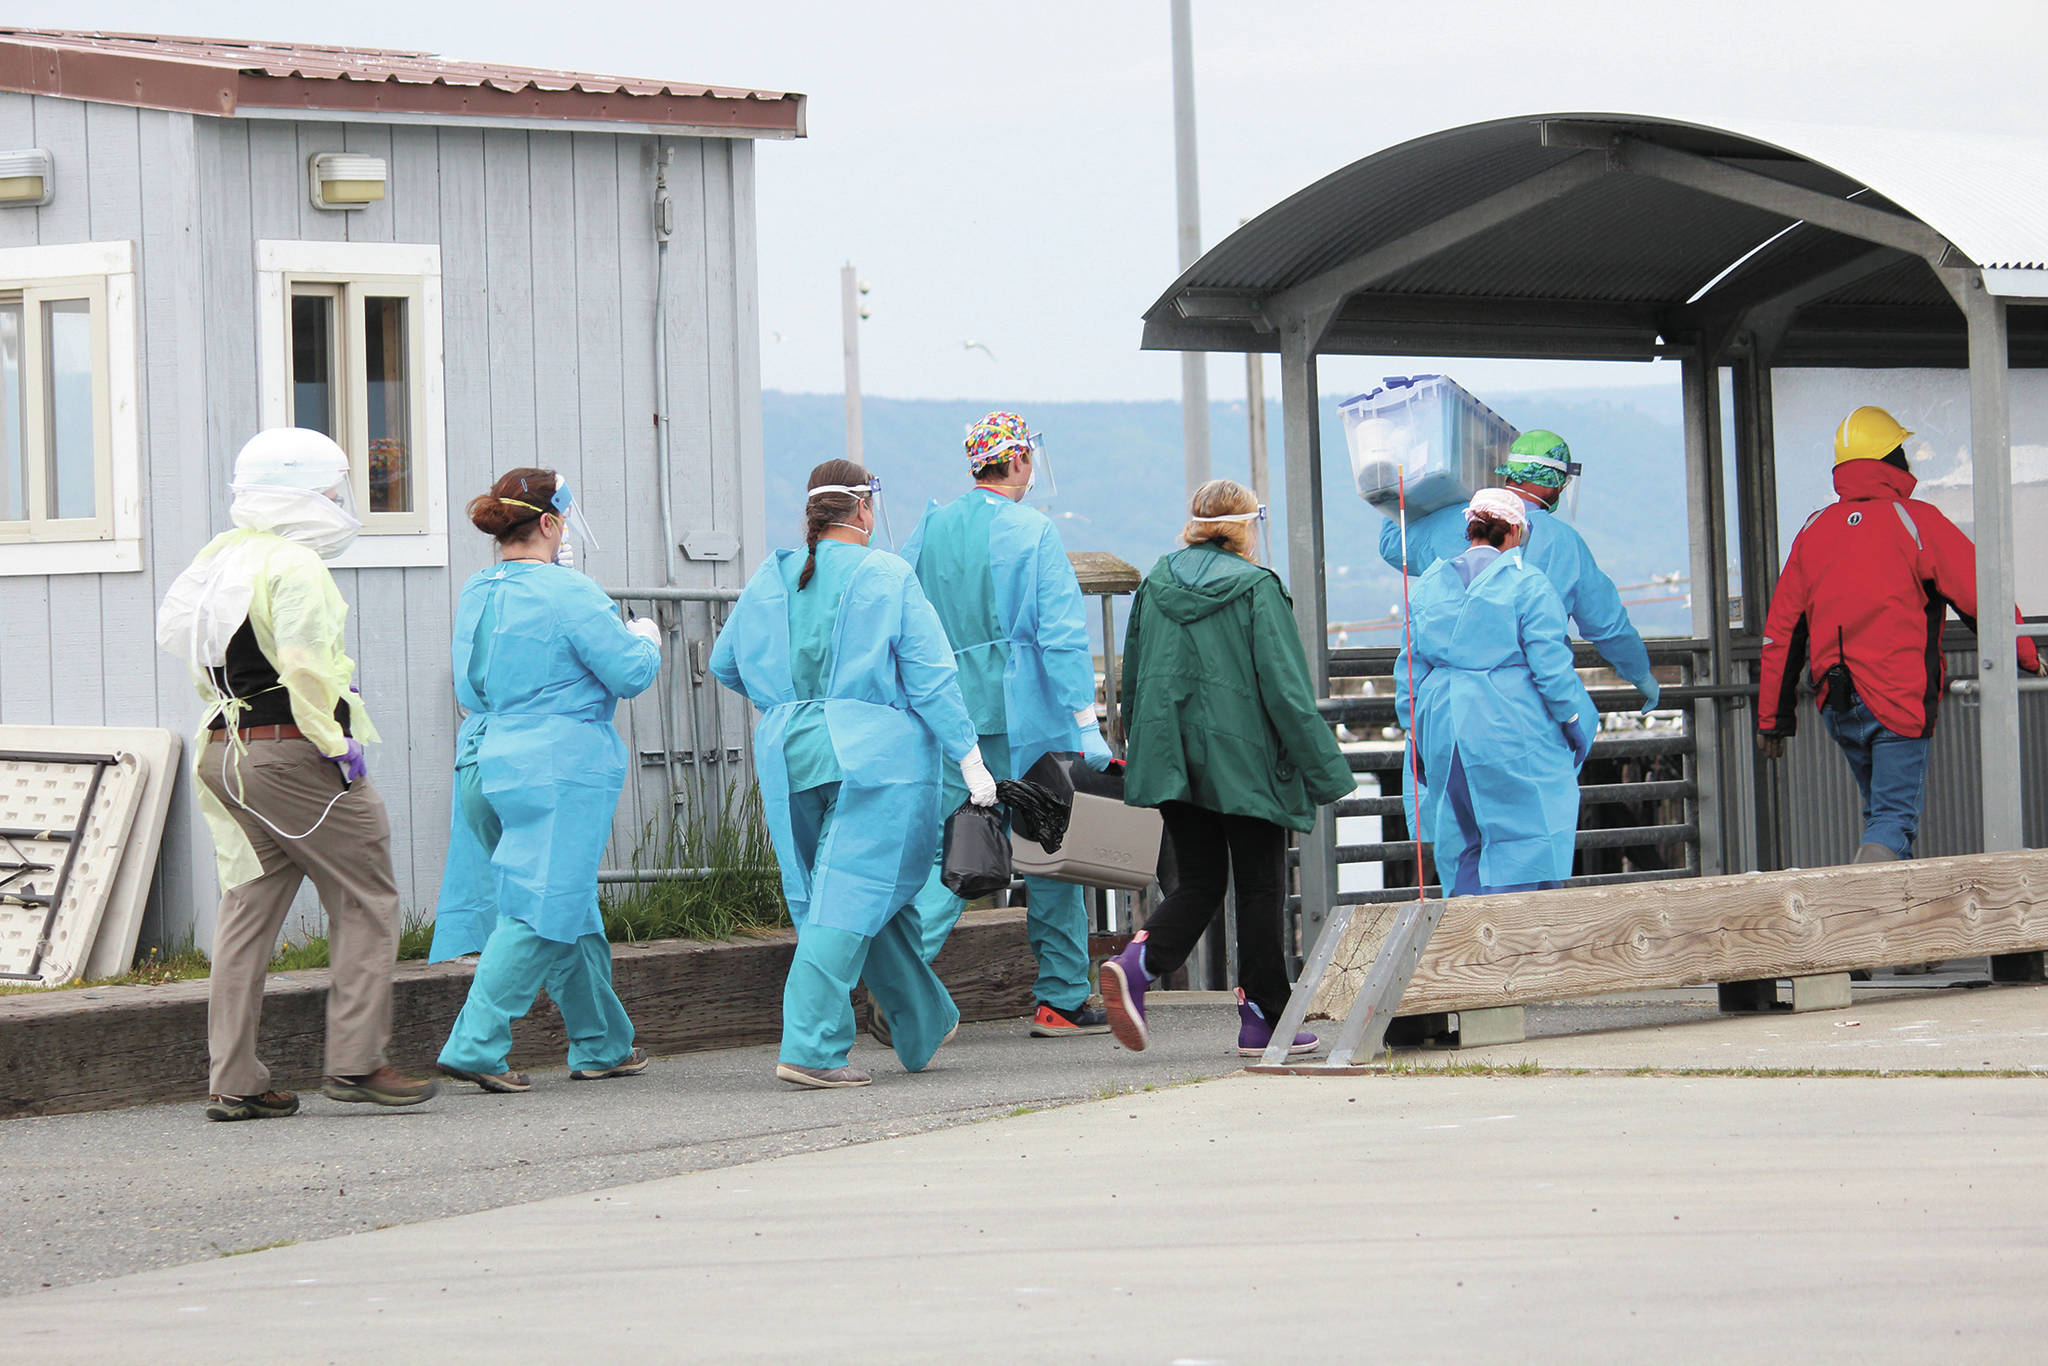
<point>64,824</point>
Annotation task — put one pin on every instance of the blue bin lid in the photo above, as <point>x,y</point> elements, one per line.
<point>1387,386</point>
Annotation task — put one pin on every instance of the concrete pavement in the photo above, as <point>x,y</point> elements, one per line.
<point>101,1194</point>
<point>1252,1219</point>
<point>1558,1217</point>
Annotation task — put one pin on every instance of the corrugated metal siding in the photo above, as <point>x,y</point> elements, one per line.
<point>1654,242</point>
<point>547,256</point>
<point>1824,815</point>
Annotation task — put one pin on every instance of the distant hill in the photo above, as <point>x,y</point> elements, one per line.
<point>1118,467</point>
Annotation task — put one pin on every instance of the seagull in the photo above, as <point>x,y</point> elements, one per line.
<point>978,346</point>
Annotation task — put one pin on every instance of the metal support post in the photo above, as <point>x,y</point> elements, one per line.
<point>1708,538</point>
<point>1194,365</point>
<point>1302,435</point>
<point>1255,415</point>
<point>1757,501</point>
<point>1998,716</point>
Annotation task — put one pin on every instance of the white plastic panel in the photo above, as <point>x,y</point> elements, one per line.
<point>52,795</point>
<point>113,950</point>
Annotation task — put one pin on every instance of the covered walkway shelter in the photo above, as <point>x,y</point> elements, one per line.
<point>1617,237</point>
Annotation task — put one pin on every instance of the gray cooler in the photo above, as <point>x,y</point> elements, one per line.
<point>1108,844</point>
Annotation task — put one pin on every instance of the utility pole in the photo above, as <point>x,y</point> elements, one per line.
<point>851,311</point>
<point>1194,365</point>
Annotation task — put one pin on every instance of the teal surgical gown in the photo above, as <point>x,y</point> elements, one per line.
<point>541,660</point>
<point>874,667</point>
<point>1002,584</point>
<point>1555,547</point>
<point>1493,687</point>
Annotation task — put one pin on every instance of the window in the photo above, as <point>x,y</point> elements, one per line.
<point>352,347</point>
<point>69,471</point>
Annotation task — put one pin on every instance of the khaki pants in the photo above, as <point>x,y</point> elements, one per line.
<point>349,859</point>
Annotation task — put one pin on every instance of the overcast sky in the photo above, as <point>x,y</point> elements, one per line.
<point>1003,173</point>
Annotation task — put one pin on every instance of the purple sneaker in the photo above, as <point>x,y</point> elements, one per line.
<point>1254,1032</point>
<point>1123,994</point>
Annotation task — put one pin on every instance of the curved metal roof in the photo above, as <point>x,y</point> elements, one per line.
<point>1616,236</point>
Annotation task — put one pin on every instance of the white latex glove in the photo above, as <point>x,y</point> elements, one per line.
<point>1094,749</point>
<point>646,630</point>
<point>565,555</point>
<point>981,784</point>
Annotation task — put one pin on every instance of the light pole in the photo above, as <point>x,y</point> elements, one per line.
<point>1194,365</point>
<point>851,311</point>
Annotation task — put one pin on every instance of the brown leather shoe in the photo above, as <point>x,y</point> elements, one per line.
<point>385,1086</point>
<point>269,1105</point>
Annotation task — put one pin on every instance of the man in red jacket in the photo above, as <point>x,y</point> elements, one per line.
<point>1862,598</point>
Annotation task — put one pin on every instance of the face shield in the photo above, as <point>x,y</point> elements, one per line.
<point>1019,441</point>
<point>1258,515</point>
<point>1546,470</point>
<point>871,494</point>
<point>295,483</point>
<point>574,525</point>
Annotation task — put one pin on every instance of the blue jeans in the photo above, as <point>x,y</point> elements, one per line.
<point>1891,773</point>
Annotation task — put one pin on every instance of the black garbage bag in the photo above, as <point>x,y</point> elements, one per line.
<point>1037,812</point>
<point>977,858</point>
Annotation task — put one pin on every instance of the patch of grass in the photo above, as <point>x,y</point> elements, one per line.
<point>1402,1067</point>
<point>740,891</point>
<point>415,937</point>
<point>1022,1110</point>
<point>154,969</point>
<point>260,1247</point>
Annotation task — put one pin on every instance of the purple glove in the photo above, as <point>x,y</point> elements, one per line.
<point>1579,736</point>
<point>350,761</point>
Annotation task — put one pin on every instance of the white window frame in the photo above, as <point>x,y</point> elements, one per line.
<point>416,539</point>
<point>110,541</point>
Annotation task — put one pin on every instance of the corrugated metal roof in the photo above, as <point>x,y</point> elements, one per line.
<point>1629,259</point>
<point>221,76</point>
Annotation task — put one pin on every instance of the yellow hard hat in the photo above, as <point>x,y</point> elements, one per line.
<point>1868,434</point>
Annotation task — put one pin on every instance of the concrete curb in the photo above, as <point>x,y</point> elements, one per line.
<point>106,1047</point>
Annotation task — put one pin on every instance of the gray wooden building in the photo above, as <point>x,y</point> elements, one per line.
<point>453,269</point>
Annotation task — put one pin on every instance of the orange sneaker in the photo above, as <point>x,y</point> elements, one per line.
<point>1050,1022</point>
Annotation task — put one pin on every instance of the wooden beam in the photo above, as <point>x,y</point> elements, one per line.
<point>1548,946</point>
<point>64,1051</point>
<point>1101,572</point>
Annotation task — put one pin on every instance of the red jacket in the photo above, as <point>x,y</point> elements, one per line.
<point>1868,583</point>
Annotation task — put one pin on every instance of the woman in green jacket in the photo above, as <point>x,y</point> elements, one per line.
<point>1226,742</point>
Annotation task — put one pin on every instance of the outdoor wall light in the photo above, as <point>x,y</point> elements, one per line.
<point>25,178</point>
<point>344,180</point>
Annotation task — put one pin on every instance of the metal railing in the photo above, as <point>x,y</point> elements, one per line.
<point>1661,808</point>
<point>687,708</point>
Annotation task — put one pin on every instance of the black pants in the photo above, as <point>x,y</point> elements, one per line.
<point>1208,849</point>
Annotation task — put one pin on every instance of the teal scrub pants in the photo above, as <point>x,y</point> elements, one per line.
<point>817,1006</point>
<point>1056,920</point>
<point>516,963</point>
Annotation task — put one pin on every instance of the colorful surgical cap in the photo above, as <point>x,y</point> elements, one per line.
<point>1538,458</point>
<point>996,438</point>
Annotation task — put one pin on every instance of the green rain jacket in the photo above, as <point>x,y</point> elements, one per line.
<point>1216,695</point>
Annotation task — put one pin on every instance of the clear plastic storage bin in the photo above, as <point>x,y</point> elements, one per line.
<point>1447,441</point>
